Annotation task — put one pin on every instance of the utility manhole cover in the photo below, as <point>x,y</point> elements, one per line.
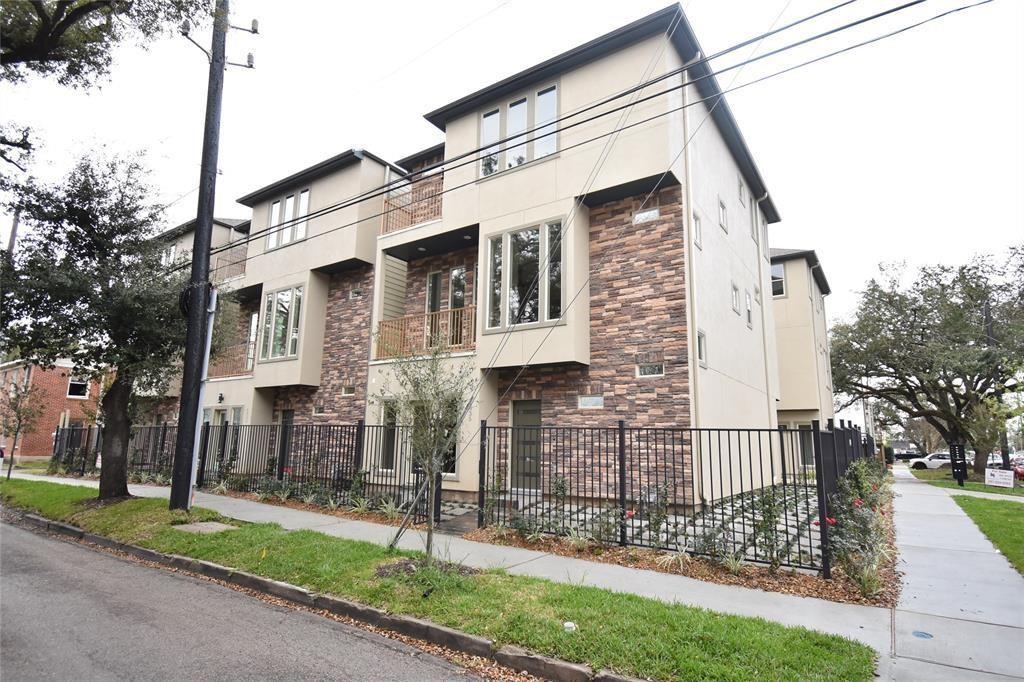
<point>922,635</point>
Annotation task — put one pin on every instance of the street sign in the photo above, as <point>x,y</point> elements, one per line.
<point>958,462</point>
<point>1001,478</point>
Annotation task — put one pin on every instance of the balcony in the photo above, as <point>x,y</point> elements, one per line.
<point>234,361</point>
<point>412,334</point>
<point>229,264</point>
<point>412,204</point>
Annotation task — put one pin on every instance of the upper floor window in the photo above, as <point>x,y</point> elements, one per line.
<point>511,121</point>
<point>702,348</point>
<point>78,387</point>
<point>696,229</point>
<point>281,312</point>
<point>736,299</point>
<point>168,255</point>
<point>778,279</point>
<point>753,221</point>
<point>529,288</point>
<point>290,213</point>
<point>742,189</point>
<point>723,216</point>
<point>750,310</point>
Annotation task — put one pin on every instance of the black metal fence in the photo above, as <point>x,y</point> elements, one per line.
<point>748,494</point>
<point>342,465</point>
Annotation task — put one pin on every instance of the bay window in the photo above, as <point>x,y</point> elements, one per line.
<point>281,314</point>
<point>529,289</point>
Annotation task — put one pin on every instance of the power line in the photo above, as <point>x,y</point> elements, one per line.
<point>446,165</point>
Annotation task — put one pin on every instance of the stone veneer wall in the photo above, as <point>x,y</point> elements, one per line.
<point>346,354</point>
<point>637,314</point>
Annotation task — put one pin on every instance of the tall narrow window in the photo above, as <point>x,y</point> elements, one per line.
<point>696,230</point>
<point>702,349</point>
<point>736,299</point>
<point>523,290</point>
<point>494,291</point>
<point>390,419</point>
<point>282,305</point>
<point>750,310</point>
<point>250,351</point>
<point>723,216</point>
<point>516,154</point>
<point>268,311</point>
<point>490,132</point>
<point>296,311</point>
<point>272,220</point>
<point>289,213</point>
<point>457,283</point>
<point>300,226</point>
<point>282,311</point>
<point>554,270</point>
<point>778,279</point>
<point>545,112</point>
<point>433,329</point>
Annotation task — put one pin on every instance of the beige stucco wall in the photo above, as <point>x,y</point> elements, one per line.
<point>802,344</point>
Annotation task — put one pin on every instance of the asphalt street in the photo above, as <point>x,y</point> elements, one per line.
<point>70,613</point>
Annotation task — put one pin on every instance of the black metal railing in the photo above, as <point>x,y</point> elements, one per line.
<point>750,494</point>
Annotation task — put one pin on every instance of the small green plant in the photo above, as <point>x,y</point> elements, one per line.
<point>310,498</point>
<point>676,559</point>
<point>160,479</point>
<point>359,505</point>
<point>770,542</point>
<point>733,561</point>
<point>657,510</point>
<point>605,526</point>
<point>389,509</point>
<point>333,503</point>
<point>220,489</point>
<point>283,493</point>
<point>358,486</point>
<point>578,540</point>
<point>560,488</point>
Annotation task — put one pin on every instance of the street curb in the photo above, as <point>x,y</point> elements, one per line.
<point>512,656</point>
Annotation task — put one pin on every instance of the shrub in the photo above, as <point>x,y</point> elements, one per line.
<point>605,526</point>
<point>770,543</point>
<point>859,538</point>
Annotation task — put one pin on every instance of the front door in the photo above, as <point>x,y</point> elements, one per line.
<point>526,444</point>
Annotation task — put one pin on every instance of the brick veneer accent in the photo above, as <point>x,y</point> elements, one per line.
<point>416,279</point>
<point>52,385</point>
<point>345,359</point>
<point>637,314</point>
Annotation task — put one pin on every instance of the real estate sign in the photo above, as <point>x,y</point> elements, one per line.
<point>999,477</point>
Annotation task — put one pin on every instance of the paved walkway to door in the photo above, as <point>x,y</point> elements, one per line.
<point>932,532</point>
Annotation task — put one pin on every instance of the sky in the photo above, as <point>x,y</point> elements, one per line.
<point>908,150</point>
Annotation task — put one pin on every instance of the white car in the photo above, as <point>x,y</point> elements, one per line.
<point>932,461</point>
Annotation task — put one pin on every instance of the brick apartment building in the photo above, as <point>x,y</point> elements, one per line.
<point>67,400</point>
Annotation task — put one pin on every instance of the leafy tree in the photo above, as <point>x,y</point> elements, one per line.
<point>921,435</point>
<point>938,347</point>
<point>20,408</point>
<point>429,392</point>
<point>87,284</point>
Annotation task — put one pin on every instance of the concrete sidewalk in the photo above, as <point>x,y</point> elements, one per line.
<point>911,659</point>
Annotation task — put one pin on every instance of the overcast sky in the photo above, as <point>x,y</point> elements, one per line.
<point>909,149</point>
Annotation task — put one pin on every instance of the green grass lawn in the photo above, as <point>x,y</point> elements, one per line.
<point>35,465</point>
<point>630,634</point>
<point>1001,522</point>
<point>943,478</point>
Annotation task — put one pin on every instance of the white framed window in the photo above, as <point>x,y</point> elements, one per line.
<point>749,309</point>
<point>757,294</point>
<point>764,236</point>
<point>529,289</point>
<point>723,215</point>
<point>282,310</point>
<point>646,216</point>
<point>742,189</point>
<point>702,348</point>
<point>348,391</point>
<point>590,402</point>
<point>736,299</point>
<point>650,369</point>
<point>753,221</point>
<point>290,214</point>
<point>78,387</point>
<point>696,230</point>
<point>319,409</point>
<point>511,122</point>
<point>168,255</point>
<point>778,279</point>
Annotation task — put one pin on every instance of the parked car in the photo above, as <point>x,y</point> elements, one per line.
<point>995,460</point>
<point>1017,464</point>
<point>932,461</point>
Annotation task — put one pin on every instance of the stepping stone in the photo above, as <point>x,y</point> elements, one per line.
<point>205,527</point>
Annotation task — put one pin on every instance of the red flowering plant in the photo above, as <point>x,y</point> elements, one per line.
<point>858,525</point>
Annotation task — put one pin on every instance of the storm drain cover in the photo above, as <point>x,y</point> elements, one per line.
<point>922,635</point>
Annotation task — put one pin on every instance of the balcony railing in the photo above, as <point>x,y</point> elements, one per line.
<point>229,264</point>
<point>413,334</point>
<point>413,204</point>
<point>233,361</point>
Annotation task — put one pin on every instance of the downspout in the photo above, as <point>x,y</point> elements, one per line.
<point>691,327</point>
<point>765,302</point>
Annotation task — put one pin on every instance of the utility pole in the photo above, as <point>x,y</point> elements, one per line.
<point>14,232</point>
<point>196,296</point>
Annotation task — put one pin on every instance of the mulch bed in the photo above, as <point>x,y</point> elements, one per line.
<point>340,512</point>
<point>413,566</point>
<point>839,589</point>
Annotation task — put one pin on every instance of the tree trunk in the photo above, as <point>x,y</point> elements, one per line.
<point>431,492</point>
<point>116,431</point>
<point>980,461</point>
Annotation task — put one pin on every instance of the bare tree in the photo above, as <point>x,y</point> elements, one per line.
<point>20,407</point>
<point>429,392</point>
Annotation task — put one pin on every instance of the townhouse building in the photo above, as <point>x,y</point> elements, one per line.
<point>799,288</point>
<point>611,263</point>
<point>64,398</point>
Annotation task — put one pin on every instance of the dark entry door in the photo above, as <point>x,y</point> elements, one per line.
<point>526,444</point>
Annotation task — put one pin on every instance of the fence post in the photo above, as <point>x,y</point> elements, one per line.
<point>85,449</point>
<point>204,441</point>
<point>819,476</point>
<point>360,440</point>
<point>481,496</point>
<point>782,453</point>
<point>163,441</point>
<point>283,436</point>
<point>622,482</point>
